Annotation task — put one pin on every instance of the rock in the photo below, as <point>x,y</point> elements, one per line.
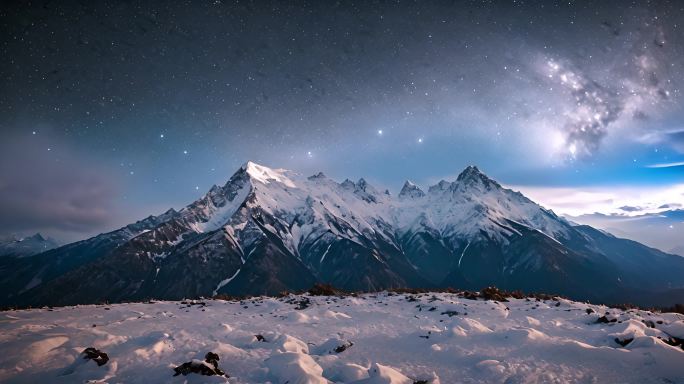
<point>450,313</point>
<point>96,355</point>
<point>208,367</point>
<point>675,342</point>
<point>300,303</point>
<point>605,320</point>
<point>343,347</point>
<point>623,342</point>
<point>331,346</point>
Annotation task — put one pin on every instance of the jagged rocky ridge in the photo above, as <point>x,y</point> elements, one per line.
<point>271,230</point>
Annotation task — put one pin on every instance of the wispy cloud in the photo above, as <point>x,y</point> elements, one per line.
<point>618,200</point>
<point>45,187</point>
<point>673,138</point>
<point>666,165</point>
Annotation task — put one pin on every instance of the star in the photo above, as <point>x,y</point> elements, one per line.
<point>420,140</point>
<point>380,132</point>
<point>185,152</point>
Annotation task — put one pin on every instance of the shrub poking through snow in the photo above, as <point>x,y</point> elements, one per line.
<point>324,290</point>
<point>496,294</point>
<point>493,293</point>
<point>677,308</point>
<point>208,367</point>
<point>470,295</point>
<point>95,355</point>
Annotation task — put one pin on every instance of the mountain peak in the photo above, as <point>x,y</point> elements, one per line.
<point>441,186</point>
<point>365,191</point>
<point>318,176</point>
<point>472,174</point>
<point>468,172</point>
<point>37,237</point>
<point>411,190</point>
<point>348,184</point>
<point>266,175</point>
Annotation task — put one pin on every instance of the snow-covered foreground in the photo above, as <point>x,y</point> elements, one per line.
<point>372,338</point>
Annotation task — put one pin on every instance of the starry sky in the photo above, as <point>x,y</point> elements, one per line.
<point>114,110</point>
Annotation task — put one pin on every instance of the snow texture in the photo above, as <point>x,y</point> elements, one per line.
<point>372,338</point>
<point>467,208</point>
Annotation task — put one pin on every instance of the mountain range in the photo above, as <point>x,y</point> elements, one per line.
<point>271,230</point>
<point>25,246</point>
<point>657,229</point>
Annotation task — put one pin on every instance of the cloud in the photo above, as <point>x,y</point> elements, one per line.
<point>55,190</point>
<point>673,138</point>
<point>629,208</point>
<point>613,200</point>
<point>666,165</point>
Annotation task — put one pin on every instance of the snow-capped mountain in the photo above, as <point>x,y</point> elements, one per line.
<point>25,246</point>
<point>271,230</point>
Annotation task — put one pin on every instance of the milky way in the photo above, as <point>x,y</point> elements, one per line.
<point>150,104</point>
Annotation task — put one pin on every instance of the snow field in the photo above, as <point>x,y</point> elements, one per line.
<point>373,338</point>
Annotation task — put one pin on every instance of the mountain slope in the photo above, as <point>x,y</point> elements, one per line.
<point>18,275</point>
<point>26,246</point>
<point>270,230</point>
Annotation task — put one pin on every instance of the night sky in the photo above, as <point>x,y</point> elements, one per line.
<point>111,111</point>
